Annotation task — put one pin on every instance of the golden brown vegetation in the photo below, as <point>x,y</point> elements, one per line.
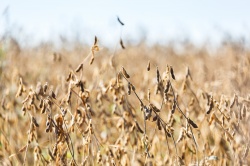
<point>139,105</point>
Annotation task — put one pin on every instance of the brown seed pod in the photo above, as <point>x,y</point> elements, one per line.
<point>68,97</point>
<point>158,75</point>
<point>22,149</point>
<point>54,152</point>
<point>86,131</point>
<point>54,56</point>
<point>124,72</point>
<point>148,95</point>
<point>192,123</point>
<point>191,103</point>
<point>181,135</point>
<point>244,110</point>
<point>50,154</point>
<point>94,48</point>
<point>211,105</point>
<point>20,91</point>
<point>172,72</point>
<point>35,122</point>
<point>69,77</point>
<point>99,157</point>
<point>45,87</point>
<point>223,120</point>
<point>23,108</point>
<point>120,21</point>
<point>148,112</point>
<point>59,119</point>
<point>148,67</point>
<point>166,91</point>
<point>41,103</point>
<point>138,127</point>
<point>169,130</point>
<point>240,112</point>
<point>64,112</point>
<point>121,101</point>
<point>246,152</point>
<point>167,87</point>
<point>39,89</point>
<point>165,97</point>
<point>188,74</point>
<point>90,127</point>
<point>89,109</point>
<point>173,108</point>
<point>234,101</point>
<point>3,103</point>
<point>155,118</point>
<point>167,134</point>
<point>79,67</point>
<point>37,150</point>
<point>157,89</point>
<point>188,133</point>
<point>91,60</point>
<point>129,88</point>
<point>211,119</point>
<point>120,123</point>
<point>21,88</point>
<point>154,108</point>
<point>159,124</point>
<point>52,94</point>
<point>81,85</point>
<point>43,108</point>
<point>48,124</point>
<point>47,130</point>
<point>132,86</point>
<point>95,40</point>
<point>121,43</point>
<point>141,107</point>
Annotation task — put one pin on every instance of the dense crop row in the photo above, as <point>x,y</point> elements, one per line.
<point>135,106</point>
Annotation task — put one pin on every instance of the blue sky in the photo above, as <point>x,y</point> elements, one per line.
<point>158,21</point>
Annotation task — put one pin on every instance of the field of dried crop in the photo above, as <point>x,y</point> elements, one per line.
<point>141,105</point>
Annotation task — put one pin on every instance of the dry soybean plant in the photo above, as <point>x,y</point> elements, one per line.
<point>136,112</point>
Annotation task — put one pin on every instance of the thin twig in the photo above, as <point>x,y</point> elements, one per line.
<point>196,146</point>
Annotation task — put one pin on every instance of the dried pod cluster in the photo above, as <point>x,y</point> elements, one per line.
<point>138,111</point>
